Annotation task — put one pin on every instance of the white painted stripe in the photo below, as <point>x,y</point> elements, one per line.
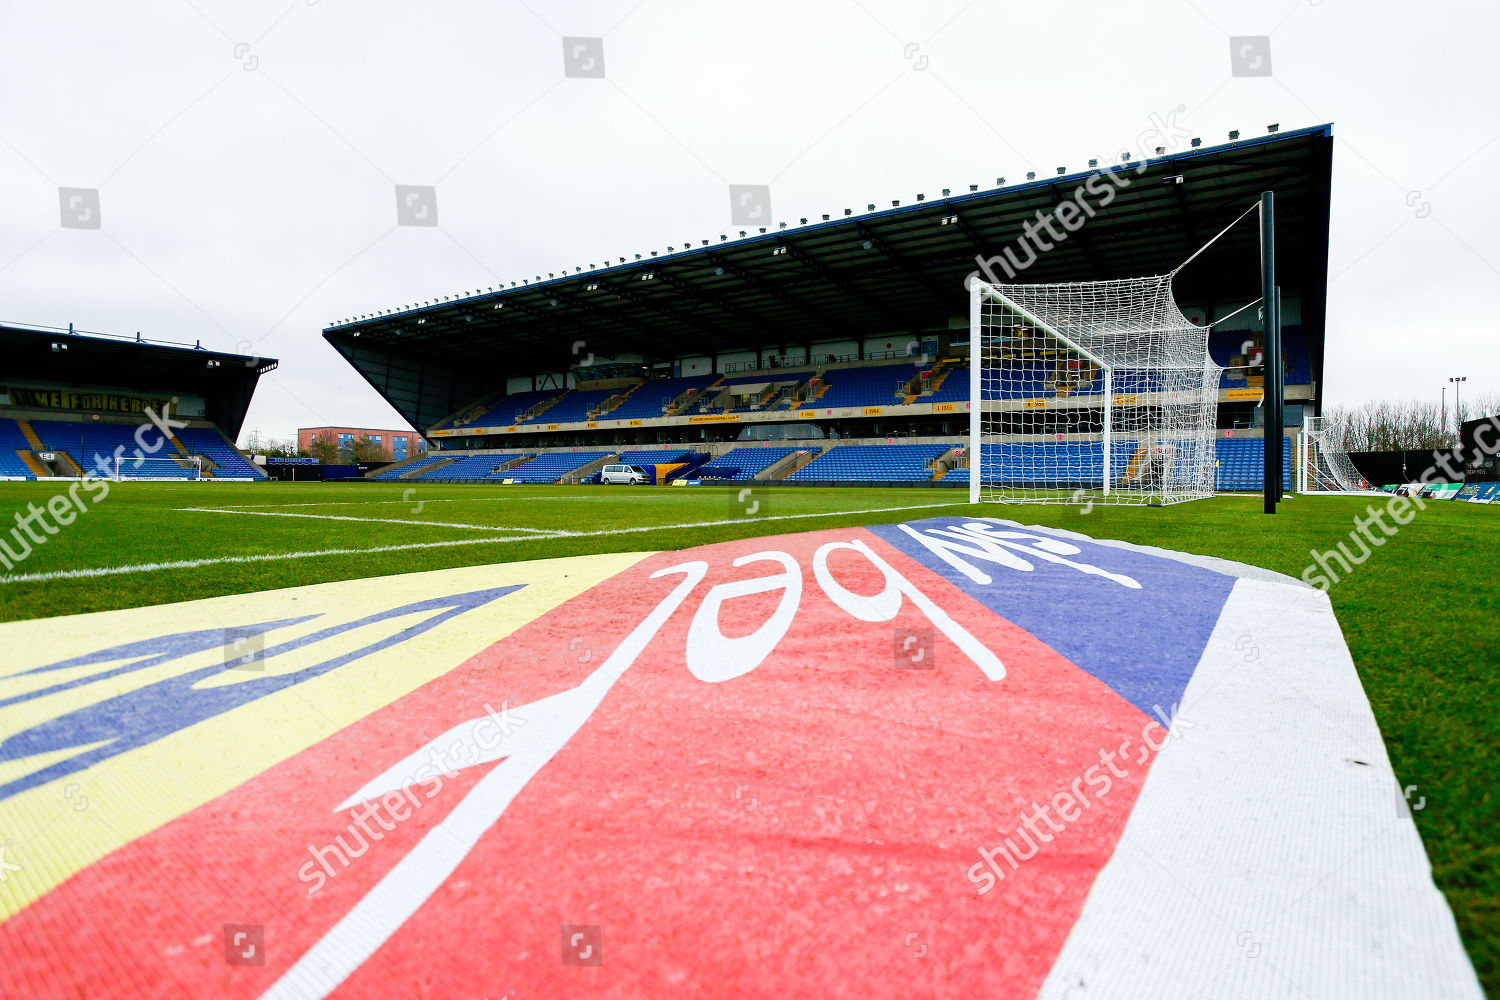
<point>408,502</point>
<point>367,520</point>
<point>1269,853</point>
<point>73,574</point>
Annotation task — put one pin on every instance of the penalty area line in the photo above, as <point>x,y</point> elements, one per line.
<point>93,572</point>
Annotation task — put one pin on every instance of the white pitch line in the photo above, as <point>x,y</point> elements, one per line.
<point>71,574</point>
<point>361,503</point>
<point>368,520</point>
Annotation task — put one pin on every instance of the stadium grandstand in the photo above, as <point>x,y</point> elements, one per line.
<point>76,403</point>
<point>837,350</point>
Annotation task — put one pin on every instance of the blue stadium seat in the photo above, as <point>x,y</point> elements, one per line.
<point>419,464</point>
<point>551,468</point>
<point>1242,463</point>
<point>12,441</point>
<point>469,468</point>
<point>739,464</point>
<point>884,463</point>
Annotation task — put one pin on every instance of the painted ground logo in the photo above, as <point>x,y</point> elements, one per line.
<point>740,788</point>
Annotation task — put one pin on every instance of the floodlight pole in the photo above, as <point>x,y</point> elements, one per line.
<point>1274,389</point>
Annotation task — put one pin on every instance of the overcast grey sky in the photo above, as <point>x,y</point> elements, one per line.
<point>245,153</point>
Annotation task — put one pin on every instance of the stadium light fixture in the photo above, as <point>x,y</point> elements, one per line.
<point>848,211</point>
<point>552,301</point>
<point>591,286</point>
<point>742,234</point>
<point>499,305</point>
<point>762,228</point>
<point>895,202</point>
<point>804,220</point>
<point>1234,136</point>
<point>59,347</point>
<point>781,225</point>
<point>1093,163</point>
<point>946,192</point>
<point>825,216</point>
<point>870,207</point>
<point>1273,128</point>
<point>973,187</point>
<point>653,253</point>
<point>1061,171</point>
<point>718,270</point>
<point>1031,175</point>
<point>705,242</point>
<point>1197,142</point>
<point>778,251</point>
<point>999,182</point>
<point>921,197</point>
<point>1160,150</point>
<point>868,244</point>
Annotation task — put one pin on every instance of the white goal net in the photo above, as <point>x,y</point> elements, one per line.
<point>1324,465</point>
<point>1094,392</point>
<point>174,467</point>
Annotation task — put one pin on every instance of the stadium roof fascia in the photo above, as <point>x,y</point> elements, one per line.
<point>862,274</point>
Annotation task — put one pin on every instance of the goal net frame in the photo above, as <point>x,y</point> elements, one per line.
<point>140,468</point>
<point>1137,330</point>
<point>1323,464</point>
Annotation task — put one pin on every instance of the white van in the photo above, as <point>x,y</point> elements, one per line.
<point>629,475</point>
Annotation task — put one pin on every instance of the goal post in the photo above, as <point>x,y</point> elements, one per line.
<point>1323,463</point>
<point>175,467</point>
<point>1090,392</point>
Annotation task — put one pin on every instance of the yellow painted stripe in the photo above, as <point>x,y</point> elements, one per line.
<point>56,829</point>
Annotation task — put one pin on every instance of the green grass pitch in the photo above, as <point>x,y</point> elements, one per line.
<point>1421,616</point>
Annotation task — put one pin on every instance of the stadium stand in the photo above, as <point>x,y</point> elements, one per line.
<point>470,468</point>
<point>1036,464</point>
<point>875,386</point>
<point>12,441</point>
<point>413,468</point>
<point>551,468</point>
<point>228,462</point>
<point>1242,463</point>
<point>1225,345</point>
<point>739,464</point>
<point>576,405</point>
<point>653,397</point>
<point>504,412</point>
<point>660,456</point>
<point>876,463</point>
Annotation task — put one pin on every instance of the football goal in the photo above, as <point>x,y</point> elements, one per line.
<point>1323,464</point>
<point>1089,392</point>
<point>173,467</point>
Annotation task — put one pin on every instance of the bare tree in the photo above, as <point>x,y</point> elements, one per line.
<point>1398,425</point>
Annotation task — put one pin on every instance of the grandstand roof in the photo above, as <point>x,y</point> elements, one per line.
<point>88,359</point>
<point>901,268</point>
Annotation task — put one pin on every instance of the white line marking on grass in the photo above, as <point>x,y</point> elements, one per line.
<point>71,574</point>
<point>361,503</point>
<point>367,520</point>
<point>74,574</point>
